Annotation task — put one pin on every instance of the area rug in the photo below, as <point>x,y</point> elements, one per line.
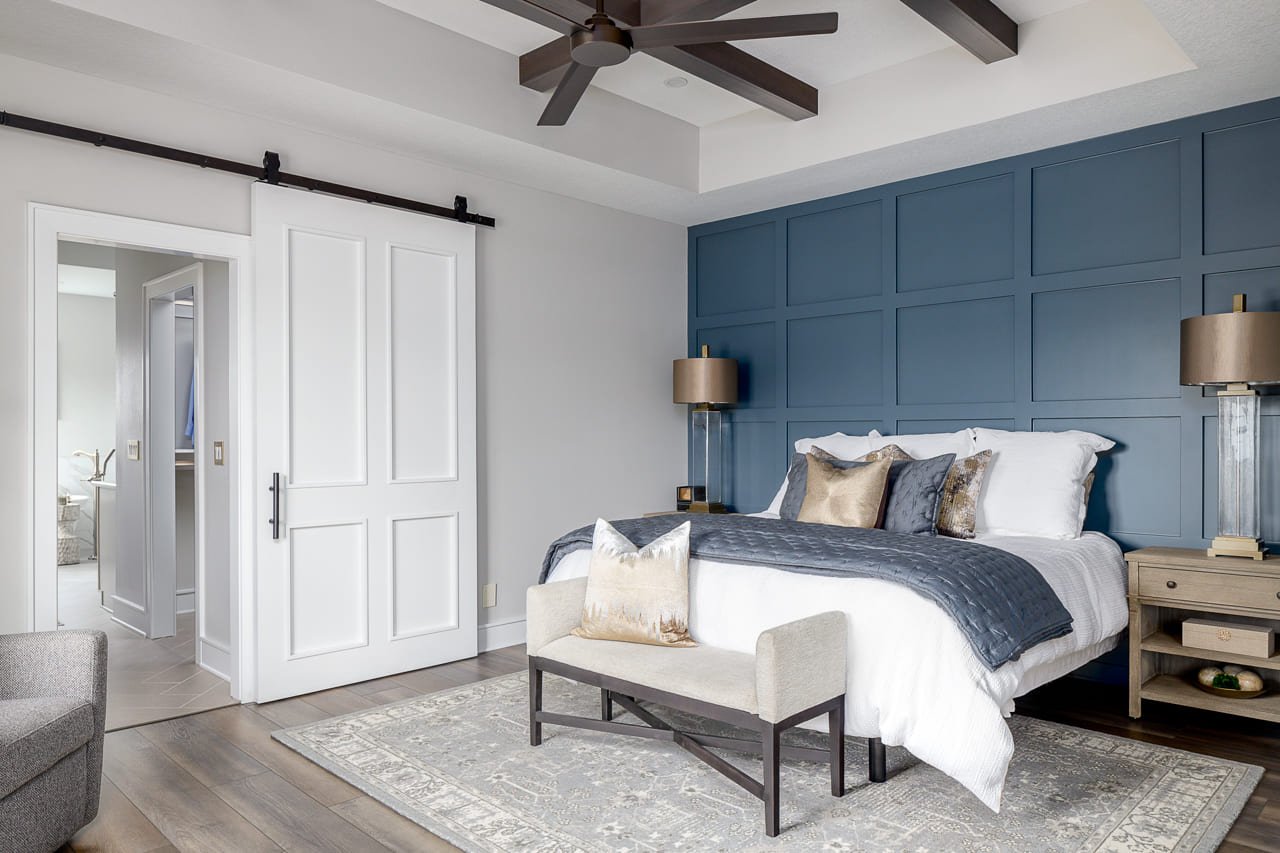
<point>459,764</point>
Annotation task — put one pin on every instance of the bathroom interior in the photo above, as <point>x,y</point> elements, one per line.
<point>132,472</point>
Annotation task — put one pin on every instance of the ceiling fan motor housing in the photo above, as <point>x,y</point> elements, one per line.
<point>603,45</point>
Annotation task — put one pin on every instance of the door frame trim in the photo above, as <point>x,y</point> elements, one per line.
<point>47,224</point>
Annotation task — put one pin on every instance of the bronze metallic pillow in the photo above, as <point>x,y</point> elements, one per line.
<point>845,496</point>
<point>638,595</point>
<point>958,512</point>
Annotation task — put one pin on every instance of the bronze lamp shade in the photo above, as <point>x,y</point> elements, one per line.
<point>704,380</point>
<point>1240,347</point>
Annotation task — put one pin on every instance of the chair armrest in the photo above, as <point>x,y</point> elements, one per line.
<point>800,664</point>
<point>54,663</point>
<point>552,611</point>
<point>62,663</point>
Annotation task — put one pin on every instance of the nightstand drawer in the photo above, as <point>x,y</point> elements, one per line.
<point>1208,588</point>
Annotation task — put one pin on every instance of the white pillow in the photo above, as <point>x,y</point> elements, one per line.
<point>839,445</point>
<point>926,445</point>
<point>1035,483</point>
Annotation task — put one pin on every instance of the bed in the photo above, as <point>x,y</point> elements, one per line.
<point>914,679</point>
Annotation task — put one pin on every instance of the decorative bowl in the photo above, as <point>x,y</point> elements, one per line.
<point>1227,693</point>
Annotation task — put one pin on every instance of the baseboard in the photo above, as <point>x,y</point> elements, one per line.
<point>184,601</point>
<point>214,659</point>
<point>499,635</point>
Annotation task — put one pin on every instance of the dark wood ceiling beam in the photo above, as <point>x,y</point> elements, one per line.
<point>746,76</point>
<point>547,17</point>
<point>976,25</point>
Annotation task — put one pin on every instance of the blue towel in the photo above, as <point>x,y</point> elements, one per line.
<point>190,431</point>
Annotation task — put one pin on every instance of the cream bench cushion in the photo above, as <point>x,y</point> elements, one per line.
<point>699,672</point>
<point>796,666</point>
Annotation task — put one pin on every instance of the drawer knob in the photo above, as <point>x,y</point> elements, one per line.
<point>1171,584</point>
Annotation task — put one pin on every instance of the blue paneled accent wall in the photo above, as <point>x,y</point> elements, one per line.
<point>1037,292</point>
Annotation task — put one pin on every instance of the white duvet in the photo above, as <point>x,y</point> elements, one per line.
<point>914,680</point>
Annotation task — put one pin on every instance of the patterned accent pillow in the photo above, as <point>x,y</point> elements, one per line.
<point>638,595</point>
<point>849,495</point>
<point>958,512</point>
<point>889,451</point>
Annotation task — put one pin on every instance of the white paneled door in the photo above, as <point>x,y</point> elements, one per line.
<point>364,363</point>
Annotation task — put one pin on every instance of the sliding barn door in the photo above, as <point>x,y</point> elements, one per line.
<point>365,376</point>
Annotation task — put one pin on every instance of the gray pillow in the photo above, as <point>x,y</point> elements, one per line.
<point>915,490</point>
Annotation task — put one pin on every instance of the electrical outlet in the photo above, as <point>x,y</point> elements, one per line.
<point>489,595</point>
<point>135,449</point>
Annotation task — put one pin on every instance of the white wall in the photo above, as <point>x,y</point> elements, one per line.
<point>580,309</point>
<point>86,395</point>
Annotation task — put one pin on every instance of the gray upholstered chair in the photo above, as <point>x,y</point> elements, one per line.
<point>53,712</point>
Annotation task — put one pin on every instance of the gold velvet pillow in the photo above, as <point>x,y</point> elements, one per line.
<point>849,497</point>
<point>638,595</point>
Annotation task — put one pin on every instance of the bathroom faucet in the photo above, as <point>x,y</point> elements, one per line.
<point>99,467</point>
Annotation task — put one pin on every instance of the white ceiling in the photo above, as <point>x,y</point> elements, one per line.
<point>898,99</point>
<point>873,34</point>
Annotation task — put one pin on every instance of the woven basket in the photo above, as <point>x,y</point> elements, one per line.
<point>68,551</point>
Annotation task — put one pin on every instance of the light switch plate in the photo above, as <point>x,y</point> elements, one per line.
<point>135,449</point>
<point>219,453</point>
<point>489,595</point>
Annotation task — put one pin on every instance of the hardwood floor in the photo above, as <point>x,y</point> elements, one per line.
<point>216,781</point>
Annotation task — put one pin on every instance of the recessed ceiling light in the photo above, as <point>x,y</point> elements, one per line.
<point>676,82</point>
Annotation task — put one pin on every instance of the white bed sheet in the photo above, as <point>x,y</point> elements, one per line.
<point>913,678</point>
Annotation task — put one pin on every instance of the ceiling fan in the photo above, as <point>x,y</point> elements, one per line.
<point>599,42</point>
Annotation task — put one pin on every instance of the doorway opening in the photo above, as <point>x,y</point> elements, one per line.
<point>145,523</point>
<point>135,348</point>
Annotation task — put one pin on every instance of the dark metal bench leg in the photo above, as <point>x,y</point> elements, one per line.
<point>535,704</point>
<point>606,705</point>
<point>835,738</point>
<point>876,770</point>
<point>770,736</point>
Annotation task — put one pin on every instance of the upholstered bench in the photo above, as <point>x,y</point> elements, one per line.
<point>796,674</point>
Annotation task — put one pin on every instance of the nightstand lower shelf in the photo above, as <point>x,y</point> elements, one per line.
<point>1165,644</point>
<point>1176,691</point>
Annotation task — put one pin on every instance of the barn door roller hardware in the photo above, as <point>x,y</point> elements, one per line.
<point>269,171</point>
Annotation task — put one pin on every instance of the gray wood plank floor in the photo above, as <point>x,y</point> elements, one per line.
<point>216,781</point>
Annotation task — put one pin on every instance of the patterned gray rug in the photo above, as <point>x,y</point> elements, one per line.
<point>459,763</point>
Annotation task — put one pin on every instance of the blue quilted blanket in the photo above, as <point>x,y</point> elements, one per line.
<point>1000,602</point>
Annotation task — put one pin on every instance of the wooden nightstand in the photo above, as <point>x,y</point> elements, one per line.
<point>1168,585</point>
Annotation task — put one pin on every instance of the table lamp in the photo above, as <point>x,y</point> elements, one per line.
<point>1238,350</point>
<point>706,382</point>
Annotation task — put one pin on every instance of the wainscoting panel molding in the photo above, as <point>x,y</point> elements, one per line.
<point>1041,291</point>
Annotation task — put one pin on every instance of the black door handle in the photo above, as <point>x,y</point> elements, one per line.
<point>274,520</point>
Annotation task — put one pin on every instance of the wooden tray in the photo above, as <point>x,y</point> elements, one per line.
<point>1227,693</point>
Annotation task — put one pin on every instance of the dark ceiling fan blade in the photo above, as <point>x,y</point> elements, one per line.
<point>739,29</point>
<point>531,11</point>
<point>566,96</point>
